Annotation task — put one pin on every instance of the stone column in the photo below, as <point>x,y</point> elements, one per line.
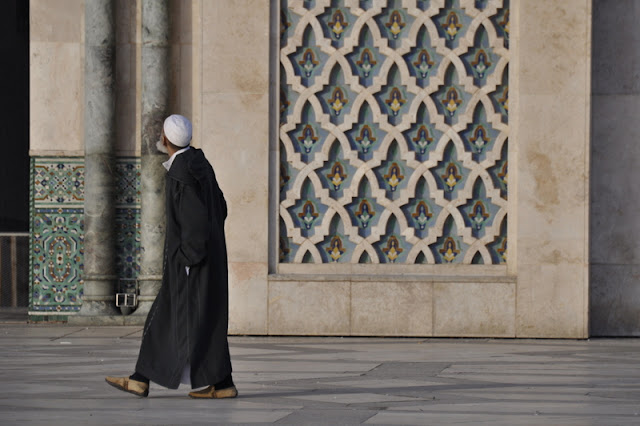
<point>155,101</point>
<point>99,142</point>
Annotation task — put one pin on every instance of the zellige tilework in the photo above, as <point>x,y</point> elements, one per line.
<point>57,229</point>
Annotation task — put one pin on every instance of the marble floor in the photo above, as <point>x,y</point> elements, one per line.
<point>54,375</point>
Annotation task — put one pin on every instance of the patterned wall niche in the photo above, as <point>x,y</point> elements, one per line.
<point>57,230</point>
<point>393,131</point>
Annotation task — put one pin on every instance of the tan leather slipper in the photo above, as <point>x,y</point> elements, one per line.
<point>212,393</point>
<point>126,384</point>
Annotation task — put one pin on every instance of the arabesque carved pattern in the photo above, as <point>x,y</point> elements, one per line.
<point>393,131</point>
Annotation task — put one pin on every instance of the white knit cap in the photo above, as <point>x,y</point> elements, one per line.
<point>178,130</point>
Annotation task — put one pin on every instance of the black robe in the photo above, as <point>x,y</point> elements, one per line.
<point>188,321</point>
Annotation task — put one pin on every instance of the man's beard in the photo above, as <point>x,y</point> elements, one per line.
<point>160,147</point>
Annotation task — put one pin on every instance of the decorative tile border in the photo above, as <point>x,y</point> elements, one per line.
<point>128,217</point>
<point>57,230</point>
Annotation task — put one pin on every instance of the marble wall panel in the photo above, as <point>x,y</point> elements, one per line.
<point>309,308</point>
<point>247,298</point>
<point>237,55</point>
<point>56,98</point>
<point>474,309</point>
<point>56,76</point>
<point>237,27</point>
<point>562,38</point>
<point>552,301</point>
<point>231,109</point>
<point>235,142</point>
<point>235,72</point>
<point>56,21</point>
<point>551,112</point>
<point>391,308</point>
<point>552,178</point>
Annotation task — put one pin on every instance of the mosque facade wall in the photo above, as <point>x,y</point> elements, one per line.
<point>363,148</point>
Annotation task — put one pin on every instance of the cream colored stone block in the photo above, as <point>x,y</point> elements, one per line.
<point>56,20</point>
<point>235,57</point>
<point>316,269</point>
<point>247,298</point>
<point>363,271</point>
<point>474,309</point>
<point>309,308</point>
<point>552,188</point>
<point>56,98</point>
<point>246,225</point>
<point>236,27</point>
<point>552,301</point>
<point>391,308</point>
<point>235,133</point>
<point>232,73</point>
<point>556,251</point>
<point>554,46</point>
<point>550,78</point>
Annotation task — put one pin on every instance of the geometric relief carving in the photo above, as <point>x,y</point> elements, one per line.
<point>57,229</point>
<point>393,131</point>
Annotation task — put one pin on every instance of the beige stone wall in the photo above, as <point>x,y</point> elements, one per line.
<point>233,119</point>
<point>361,305</point>
<point>550,101</point>
<point>56,77</point>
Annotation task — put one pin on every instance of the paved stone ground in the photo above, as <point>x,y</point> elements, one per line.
<point>54,375</point>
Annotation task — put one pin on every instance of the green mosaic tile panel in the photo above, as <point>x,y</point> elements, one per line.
<point>58,256</point>
<point>57,229</point>
<point>57,234</point>
<point>128,217</point>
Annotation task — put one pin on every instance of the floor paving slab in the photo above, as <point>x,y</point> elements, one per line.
<point>54,375</point>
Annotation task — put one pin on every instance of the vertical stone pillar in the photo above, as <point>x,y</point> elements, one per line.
<point>99,142</point>
<point>155,101</point>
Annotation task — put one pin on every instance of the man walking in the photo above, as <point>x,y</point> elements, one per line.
<point>185,334</point>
